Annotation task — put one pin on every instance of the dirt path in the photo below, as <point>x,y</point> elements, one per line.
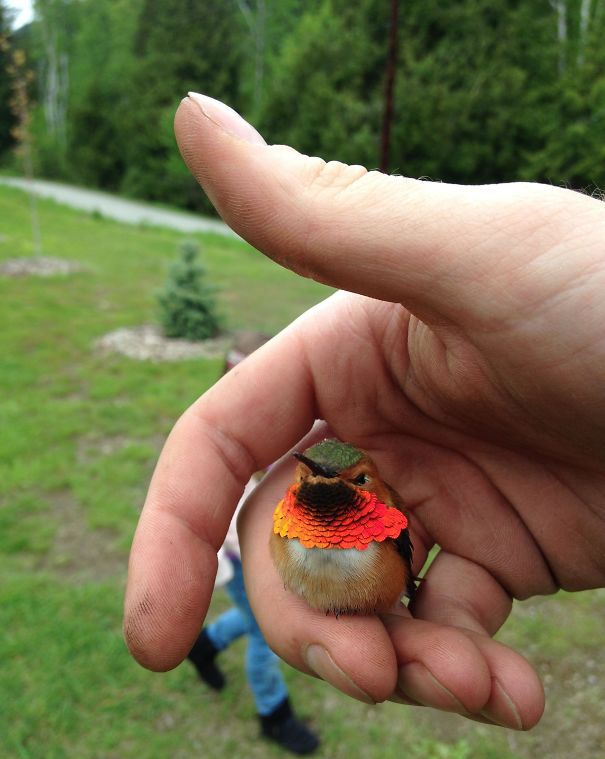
<point>114,207</point>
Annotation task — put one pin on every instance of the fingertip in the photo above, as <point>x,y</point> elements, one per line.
<point>212,139</point>
<point>439,666</point>
<point>144,645</point>
<point>170,583</point>
<point>516,698</point>
<point>157,638</point>
<point>226,118</point>
<point>519,705</point>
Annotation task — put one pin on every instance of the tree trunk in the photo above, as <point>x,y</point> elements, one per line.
<point>55,82</point>
<point>256,23</point>
<point>585,13</point>
<point>387,121</point>
<point>560,6</point>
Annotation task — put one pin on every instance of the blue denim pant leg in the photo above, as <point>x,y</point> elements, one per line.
<point>227,628</point>
<point>262,665</point>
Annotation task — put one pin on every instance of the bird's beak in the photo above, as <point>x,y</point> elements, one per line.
<point>317,469</point>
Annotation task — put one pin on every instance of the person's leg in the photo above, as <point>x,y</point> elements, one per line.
<point>263,672</point>
<point>202,656</point>
<point>267,684</point>
<point>262,665</point>
<point>228,627</point>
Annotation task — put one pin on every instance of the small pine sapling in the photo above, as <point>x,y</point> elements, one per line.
<point>22,77</point>
<point>187,304</point>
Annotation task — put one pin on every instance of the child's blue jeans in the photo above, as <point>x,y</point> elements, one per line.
<point>262,665</point>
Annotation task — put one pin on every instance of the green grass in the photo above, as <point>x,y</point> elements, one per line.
<point>79,435</point>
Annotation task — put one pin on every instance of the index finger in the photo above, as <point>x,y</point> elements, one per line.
<point>210,455</point>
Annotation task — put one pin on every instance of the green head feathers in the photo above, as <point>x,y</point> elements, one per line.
<point>333,454</point>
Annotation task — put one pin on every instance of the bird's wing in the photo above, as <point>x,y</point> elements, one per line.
<point>404,544</point>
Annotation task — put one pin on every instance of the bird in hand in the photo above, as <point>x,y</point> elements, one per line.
<point>340,537</point>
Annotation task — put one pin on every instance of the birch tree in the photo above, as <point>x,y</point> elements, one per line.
<point>256,21</point>
<point>560,8</point>
<point>54,73</point>
<point>585,14</point>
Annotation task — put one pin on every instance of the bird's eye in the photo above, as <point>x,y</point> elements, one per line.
<point>361,479</point>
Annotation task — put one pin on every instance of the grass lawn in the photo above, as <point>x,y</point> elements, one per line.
<point>79,435</point>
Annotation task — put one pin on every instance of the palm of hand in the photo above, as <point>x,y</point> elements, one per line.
<point>512,450</point>
<point>501,512</point>
<point>486,479</point>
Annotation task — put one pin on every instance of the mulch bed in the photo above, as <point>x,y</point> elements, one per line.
<point>37,266</point>
<point>147,343</point>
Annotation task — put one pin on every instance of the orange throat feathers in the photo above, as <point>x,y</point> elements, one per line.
<point>336,516</point>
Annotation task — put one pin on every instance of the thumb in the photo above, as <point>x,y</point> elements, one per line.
<point>439,249</point>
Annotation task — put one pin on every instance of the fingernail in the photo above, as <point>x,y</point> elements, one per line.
<point>226,118</point>
<point>416,682</point>
<point>501,708</point>
<point>323,665</point>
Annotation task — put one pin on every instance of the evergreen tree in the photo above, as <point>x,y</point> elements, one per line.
<point>102,94</point>
<point>468,102</point>
<point>180,45</point>
<point>572,149</point>
<point>326,95</point>
<point>187,305</point>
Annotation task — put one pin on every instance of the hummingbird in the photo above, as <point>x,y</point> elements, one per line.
<point>340,538</point>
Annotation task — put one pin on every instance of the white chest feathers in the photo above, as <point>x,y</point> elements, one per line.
<point>335,564</point>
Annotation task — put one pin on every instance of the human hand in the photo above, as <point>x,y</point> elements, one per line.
<point>467,360</point>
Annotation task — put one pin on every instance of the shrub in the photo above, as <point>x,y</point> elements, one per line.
<point>187,304</point>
